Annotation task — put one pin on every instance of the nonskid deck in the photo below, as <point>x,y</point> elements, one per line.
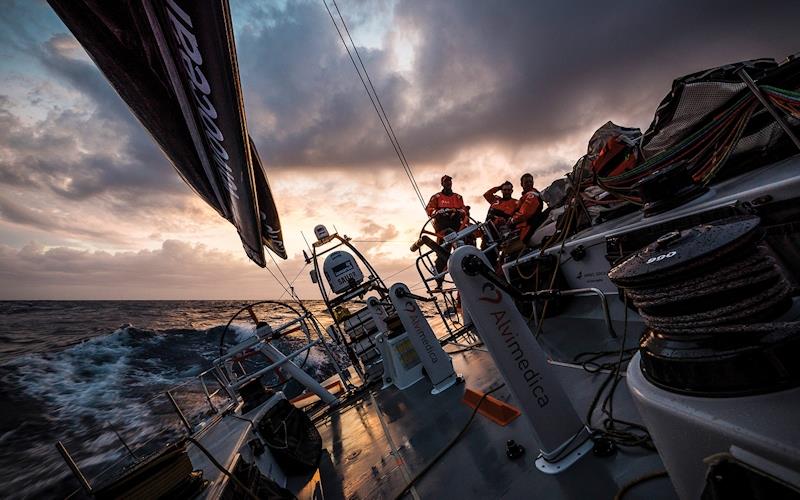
<point>378,444</point>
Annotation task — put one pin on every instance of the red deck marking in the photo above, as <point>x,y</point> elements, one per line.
<point>492,408</point>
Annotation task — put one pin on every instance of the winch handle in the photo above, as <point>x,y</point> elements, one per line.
<point>401,293</point>
<point>428,241</point>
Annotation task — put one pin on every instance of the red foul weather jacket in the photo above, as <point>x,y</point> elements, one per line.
<point>529,206</point>
<point>498,204</point>
<point>452,201</point>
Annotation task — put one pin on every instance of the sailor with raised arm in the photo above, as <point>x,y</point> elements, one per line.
<point>501,207</point>
<point>449,214</point>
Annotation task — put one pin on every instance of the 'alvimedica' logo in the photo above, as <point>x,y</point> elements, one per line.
<point>490,294</point>
<point>419,330</point>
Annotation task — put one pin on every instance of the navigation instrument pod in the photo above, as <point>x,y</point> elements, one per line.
<point>342,271</point>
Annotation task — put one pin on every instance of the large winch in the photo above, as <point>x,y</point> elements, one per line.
<point>711,297</point>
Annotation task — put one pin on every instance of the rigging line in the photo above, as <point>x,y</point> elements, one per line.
<point>298,272</point>
<point>295,279</point>
<point>279,269</point>
<point>290,290</point>
<point>304,239</point>
<point>400,271</point>
<point>404,160</point>
<point>355,49</point>
<point>277,280</point>
<point>392,138</point>
<point>374,105</point>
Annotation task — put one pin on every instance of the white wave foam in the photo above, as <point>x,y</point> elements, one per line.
<point>242,331</point>
<point>88,379</point>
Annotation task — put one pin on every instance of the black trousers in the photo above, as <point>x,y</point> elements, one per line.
<point>444,226</point>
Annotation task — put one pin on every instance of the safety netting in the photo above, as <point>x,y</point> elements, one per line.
<point>710,120</point>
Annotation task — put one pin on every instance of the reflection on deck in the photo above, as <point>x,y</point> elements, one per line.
<point>419,425</point>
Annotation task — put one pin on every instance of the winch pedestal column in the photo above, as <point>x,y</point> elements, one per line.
<point>437,363</point>
<point>401,364</point>
<point>522,363</point>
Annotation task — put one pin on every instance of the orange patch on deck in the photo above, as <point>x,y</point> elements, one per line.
<point>492,408</point>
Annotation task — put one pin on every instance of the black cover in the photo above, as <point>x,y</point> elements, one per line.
<point>174,64</point>
<point>697,98</point>
<point>292,438</point>
<point>256,483</point>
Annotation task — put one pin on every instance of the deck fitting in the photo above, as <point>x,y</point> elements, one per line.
<point>492,408</point>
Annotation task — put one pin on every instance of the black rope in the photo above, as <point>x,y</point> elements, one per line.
<point>639,480</point>
<point>618,431</point>
<point>222,469</point>
<point>447,448</point>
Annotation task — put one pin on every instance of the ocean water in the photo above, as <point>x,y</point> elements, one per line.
<point>89,372</point>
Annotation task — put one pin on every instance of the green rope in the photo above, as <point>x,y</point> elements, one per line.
<point>714,141</point>
<point>793,94</point>
<point>689,141</point>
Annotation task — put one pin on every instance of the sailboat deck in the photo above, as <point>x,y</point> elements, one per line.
<point>378,445</point>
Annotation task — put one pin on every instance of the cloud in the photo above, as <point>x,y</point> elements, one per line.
<point>51,222</point>
<point>515,74</point>
<point>483,91</point>
<point>172,271</point>
<point>86,146</point>
<point>176,270</point>
<point>82,176</point>
<point>376,232</point>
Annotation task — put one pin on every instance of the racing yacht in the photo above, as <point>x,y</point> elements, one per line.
<point>641,347</point>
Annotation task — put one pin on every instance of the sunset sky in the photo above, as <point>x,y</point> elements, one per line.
<point>481,90</point>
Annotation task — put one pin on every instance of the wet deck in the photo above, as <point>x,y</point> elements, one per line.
<point>378,445</point>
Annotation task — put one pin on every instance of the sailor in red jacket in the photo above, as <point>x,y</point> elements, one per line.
<point>528,209</point>
<point>449,214</point>
<point>502,208</point>
<point>448,201</point>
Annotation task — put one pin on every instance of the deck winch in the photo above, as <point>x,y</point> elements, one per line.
<point>711,297</point>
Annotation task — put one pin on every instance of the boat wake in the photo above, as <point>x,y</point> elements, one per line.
<point>89,393</point>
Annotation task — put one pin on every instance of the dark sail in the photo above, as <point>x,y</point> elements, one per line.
<point>174,63</point>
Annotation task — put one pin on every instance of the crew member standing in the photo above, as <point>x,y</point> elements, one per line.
<point>449,214</point>
<point>527,215</point>
<point>501,208</point>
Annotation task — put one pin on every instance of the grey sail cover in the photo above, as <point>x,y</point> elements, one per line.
<point>174,63</point>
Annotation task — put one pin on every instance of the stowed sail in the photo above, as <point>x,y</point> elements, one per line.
<point>174,63</point>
